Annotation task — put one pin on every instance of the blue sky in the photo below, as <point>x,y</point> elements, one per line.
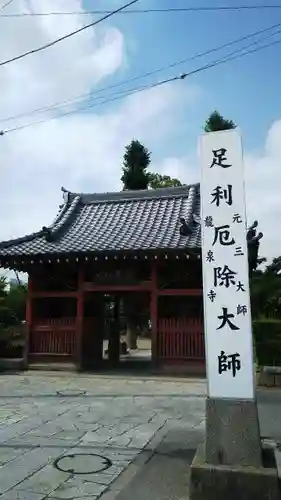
<point>246,90</point>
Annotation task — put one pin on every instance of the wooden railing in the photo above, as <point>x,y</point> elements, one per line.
<point>53,337</point>
<point>58,323</point>
<point>181,339</point>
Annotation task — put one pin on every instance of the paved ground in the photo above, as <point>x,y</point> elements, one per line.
<point>165,476</point>
<point>103,423</point>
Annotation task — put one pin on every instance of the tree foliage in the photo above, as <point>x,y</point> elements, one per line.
<point>266,291</point>
<point>7,315</point>
<point>162,181</point>
<point>16,300</point>
<point>217,122</point>
<point>12,313</point>
<point>135,163</point>
<point>135,175</point>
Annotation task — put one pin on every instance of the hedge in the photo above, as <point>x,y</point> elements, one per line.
<point>267,339</point>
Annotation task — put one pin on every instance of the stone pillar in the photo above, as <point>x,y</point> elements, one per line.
<point>232,433</point>
<point>230,465</point>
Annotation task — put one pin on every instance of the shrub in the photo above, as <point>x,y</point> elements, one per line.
<point>12,341</point>
<point>267,339</point>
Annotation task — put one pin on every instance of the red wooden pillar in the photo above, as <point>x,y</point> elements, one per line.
<point>28,310</point>
<point>28,320</point>
<point>154,311</point>
<point>79,317</point>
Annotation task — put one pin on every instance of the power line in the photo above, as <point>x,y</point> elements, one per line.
<point>66,102</point>
<point>57,40</point>
<point>120,95</point>
<point>147,11</point>
<point>230,57</point>
<point>5,5</point>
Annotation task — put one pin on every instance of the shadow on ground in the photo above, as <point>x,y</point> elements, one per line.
<point>166,474</point>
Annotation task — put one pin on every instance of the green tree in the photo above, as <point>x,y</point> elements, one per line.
<point>7,316</point>
<point>135,163</point>
<point>266,291</point>
<point>217,122</point>
<point>12,305</point>
<point>16,300</point>
<point>162,181</point>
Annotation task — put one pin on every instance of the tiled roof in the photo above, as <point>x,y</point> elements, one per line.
<point>122,221</point>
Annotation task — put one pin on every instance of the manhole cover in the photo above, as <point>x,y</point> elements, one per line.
<point>71,393</point>
<point>82,463</point>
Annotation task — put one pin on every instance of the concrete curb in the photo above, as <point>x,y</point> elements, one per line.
<point>113,376</point>
<point>270,376</point>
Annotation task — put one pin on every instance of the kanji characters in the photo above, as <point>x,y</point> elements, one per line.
<point>240,287</point>
<point>210,256</point>
<point>225,318</point>
<point>223,235</point>
<point>220,193</point>
<point>238,251</point>
<point>223,276</point>
<point>229,362</point>
<point>237,218</point>
<point>208,221</point>
<point>242,309</point>
<point>219,158</point>
<point>212,295</point>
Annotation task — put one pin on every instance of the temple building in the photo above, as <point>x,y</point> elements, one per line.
<point>112,261</point>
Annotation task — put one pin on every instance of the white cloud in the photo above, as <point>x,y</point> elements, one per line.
<point>80,151</point>
<point>263,180</point>
<point>185,168</point>
<point>70,67</point>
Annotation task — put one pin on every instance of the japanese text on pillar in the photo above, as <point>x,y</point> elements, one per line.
<point>225,267</point>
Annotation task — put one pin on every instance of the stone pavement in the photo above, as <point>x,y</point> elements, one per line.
<point>165,476</point>
<point>71,436</point>
<point>101,423</point>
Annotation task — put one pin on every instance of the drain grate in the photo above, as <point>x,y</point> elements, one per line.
<point>82,463</point>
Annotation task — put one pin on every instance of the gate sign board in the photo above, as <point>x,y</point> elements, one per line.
<point>227,314</point>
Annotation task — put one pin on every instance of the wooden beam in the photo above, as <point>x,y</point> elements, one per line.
<point>181,292</point>
<point>91,287</point>
<point>54,294</point>
<point>154,311</point>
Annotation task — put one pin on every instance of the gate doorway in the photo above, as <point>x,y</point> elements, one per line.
<point>116,331</point>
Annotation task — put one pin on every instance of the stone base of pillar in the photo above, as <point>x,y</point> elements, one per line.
<point>232,432</point>
<point>230,464</point>
<point>231,482</point>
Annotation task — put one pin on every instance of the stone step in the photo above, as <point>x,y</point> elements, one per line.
<point>58,367</point>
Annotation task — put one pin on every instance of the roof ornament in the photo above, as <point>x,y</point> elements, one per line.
<point>47,233</point>
<point>253,241</point>
<point>65,194</point>
<point>252,231</point>
<point>186,228</point>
